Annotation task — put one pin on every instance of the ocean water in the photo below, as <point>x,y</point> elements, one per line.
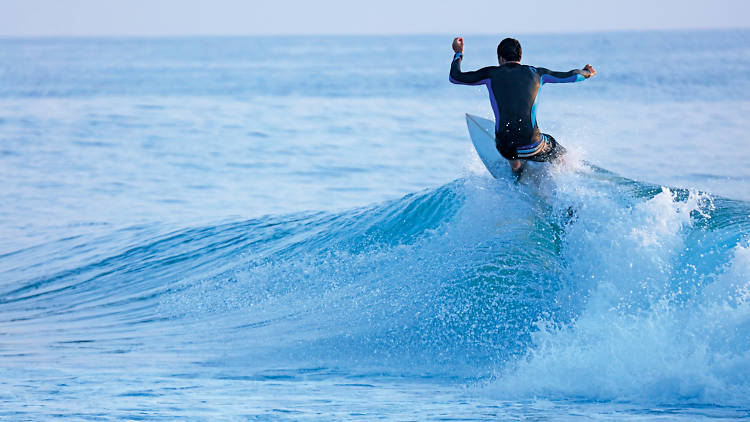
<point>297,228</point>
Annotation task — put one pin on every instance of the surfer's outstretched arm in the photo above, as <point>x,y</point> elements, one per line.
<point>476,77</point>
<point>575,75</point>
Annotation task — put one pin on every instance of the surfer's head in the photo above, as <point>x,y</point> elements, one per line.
<point>509,50</point>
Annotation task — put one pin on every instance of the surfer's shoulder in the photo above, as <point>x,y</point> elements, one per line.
<point>533,68</point>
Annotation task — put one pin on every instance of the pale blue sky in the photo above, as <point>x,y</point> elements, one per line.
<point>236,17</point>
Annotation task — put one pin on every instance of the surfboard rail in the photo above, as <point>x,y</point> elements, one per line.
<point>482,134</point>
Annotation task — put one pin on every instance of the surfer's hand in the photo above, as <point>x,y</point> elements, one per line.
<point>588,71</point>
<point>458,45</point>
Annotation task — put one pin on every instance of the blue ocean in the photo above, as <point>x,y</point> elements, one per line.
<point>298,228</point>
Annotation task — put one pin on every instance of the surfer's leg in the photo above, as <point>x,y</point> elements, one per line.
<point>508,151</point>
<point>517,167</point>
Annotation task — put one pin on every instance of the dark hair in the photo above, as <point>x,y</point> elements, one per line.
<point>509,49</point>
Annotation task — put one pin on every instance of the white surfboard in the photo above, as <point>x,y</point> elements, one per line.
<point>482,133</point>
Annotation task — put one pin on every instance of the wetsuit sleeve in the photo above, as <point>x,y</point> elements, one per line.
<point>476,77</point>
<point>552,77</point>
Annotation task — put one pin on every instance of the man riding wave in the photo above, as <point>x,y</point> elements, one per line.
<point>514,94</point>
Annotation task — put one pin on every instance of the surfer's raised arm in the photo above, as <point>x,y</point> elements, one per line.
<point>575,75</point>
<point>477,77</point>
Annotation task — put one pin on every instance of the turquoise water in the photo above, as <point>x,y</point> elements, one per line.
<point>192,228</point>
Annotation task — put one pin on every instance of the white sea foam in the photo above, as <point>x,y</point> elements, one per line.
<point>635,332</point>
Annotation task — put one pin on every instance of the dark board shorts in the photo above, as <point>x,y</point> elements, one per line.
<point>547,149</point>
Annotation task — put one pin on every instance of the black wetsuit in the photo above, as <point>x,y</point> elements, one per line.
<point>514,94</point>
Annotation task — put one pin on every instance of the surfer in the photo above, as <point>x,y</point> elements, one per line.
<point>514,94</point>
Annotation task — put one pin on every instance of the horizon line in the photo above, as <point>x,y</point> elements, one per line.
<point>364,34</point>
